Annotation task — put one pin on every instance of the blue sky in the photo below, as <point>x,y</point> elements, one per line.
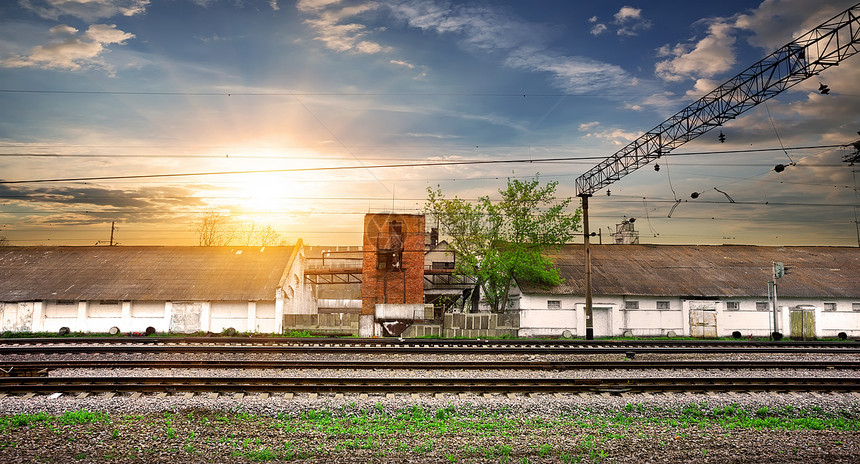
<point>94,88</point>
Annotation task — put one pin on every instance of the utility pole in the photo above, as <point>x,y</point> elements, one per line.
<point>112,228</point>
<point>589,320</point>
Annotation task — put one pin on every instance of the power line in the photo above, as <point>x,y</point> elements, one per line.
<point>341,168</point>
<point>302,94</point>
<point>290,157</point>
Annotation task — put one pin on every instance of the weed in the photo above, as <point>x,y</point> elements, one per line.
<point>544,450</point>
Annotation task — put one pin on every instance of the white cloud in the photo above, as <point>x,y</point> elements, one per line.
<point>405,64</point>
<point>87,10</point>
<point>775,22</point>
<point>587,126</point>
<point>628,21</point>
<point>71,51</point>
<point>274,5</point>
<point>334,29</point>
<point>598,29</point>
<point>616,136</point>
<point>520,44</point>
<point>628,13</point>
<point>709,57</point>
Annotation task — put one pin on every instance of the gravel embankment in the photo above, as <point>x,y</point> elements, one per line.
<point>468,428</point>
<point>533,429</point>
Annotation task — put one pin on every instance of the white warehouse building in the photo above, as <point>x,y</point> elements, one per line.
<point>698,291</point>
<point>171,289</point>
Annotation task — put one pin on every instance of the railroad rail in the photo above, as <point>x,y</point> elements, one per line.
<point>419,349</point>
<point>423,342</point>
<point>12,368</point>
<point>13,385</point>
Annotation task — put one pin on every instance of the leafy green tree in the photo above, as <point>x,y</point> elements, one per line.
<point>498,241</point>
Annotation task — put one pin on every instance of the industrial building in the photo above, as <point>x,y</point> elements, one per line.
<point>400,282</point>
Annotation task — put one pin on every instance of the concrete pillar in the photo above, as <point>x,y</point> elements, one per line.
<point>38,316</point>
<point>818,331</point>
<point>126,323</point>
<point>252,316</point>
<point>168,314</point>
<point>279,311</point>
<point>82,316</point>
<point>366,326</point>
<point>206,316</point>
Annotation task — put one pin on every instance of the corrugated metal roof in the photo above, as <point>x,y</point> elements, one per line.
<point>706,271</point>
<point>142,273</point>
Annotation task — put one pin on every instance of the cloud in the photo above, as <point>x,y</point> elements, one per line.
<point>405,64</point>
<point>274,5</point>
<point>521,45</point>
<point>707,58</point>
<point>628,21</point>
<point>335,28</point>
<point>772,24</point>
<point>598,29</point>
<point>87,10</point>
<point>628,14</point>
<point>615,136</point>
<point>70,50</point>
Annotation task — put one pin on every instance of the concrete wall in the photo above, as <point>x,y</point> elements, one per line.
<point>136,316</point>
<point>327,323</point>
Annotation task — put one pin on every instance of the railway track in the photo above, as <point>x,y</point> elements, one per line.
<point>11,368</point>
<point>426,343</point>
<point>416,348</point>
<point>17,385</point>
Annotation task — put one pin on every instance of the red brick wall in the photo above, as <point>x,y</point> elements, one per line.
<point>392,286</point>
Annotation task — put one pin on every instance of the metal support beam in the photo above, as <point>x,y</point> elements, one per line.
<point>805,57</point>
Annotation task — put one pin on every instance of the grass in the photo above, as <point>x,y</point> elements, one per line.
<point>414,433</point>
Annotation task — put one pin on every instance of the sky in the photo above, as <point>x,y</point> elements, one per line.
<point>338,106</point>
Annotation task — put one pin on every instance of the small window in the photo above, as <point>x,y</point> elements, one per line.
<point>66,302</point>
<point>855,306</point>
<point>733,305</point>
<point>663,305</point>
<point>830,306</point>
<point>108,302</point>
<point>388,260</point>
<point>631,305</point>
<point>553,304</point>
<point>762,306</point>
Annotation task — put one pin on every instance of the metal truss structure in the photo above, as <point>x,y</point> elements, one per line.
<point>815,51</point>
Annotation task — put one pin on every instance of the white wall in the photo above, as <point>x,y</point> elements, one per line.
<point>537,319</point>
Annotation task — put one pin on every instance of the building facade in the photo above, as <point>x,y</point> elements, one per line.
<point>392,288</point>
<point>697,291</point>
<point>171,289</point>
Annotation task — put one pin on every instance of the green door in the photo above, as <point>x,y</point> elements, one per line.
<point>802,324</point>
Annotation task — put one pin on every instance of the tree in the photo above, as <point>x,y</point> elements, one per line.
<point>219,229</point>
<point>215,229</point>
<point>497,242</point>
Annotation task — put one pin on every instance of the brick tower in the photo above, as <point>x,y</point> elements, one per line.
<point>393,269</point>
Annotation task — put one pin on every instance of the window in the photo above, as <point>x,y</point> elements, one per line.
<point>442,265</point>
<point>108,302</point>
<point>830,306</point>
<point>553,304</point>
<point>762,306</point>
<point>733,305</point>
<point>66,302</point>
<point>663,305</point>
<point>631,304</point>
<point>388,260</point>
<point>855,306</point>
